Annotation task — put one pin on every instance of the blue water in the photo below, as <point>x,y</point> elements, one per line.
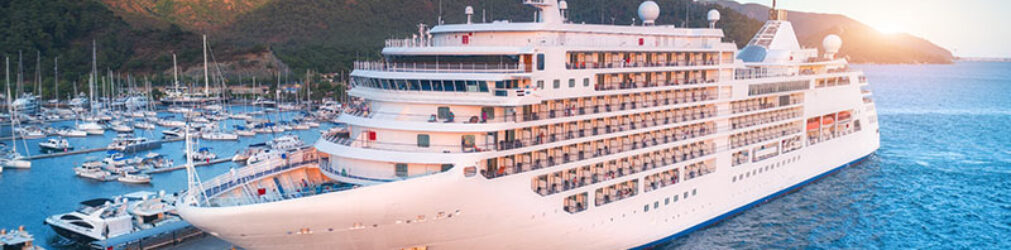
<point>50,187</point>
<point>940,179</point>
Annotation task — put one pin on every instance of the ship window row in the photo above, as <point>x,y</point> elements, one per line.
<point>582,176</point>
<point>616,192</point>
<point>612,103</point>
<point>545,110</point>
<point>764,134</point>
<point>620,81</point>
<point>421,85</point>
<point>528,161</point>
<point>769,88</point>
<point>831,81</point>
<point>668,200</point>
<point>617,59</point>
<point>765,118</point>
<point>537,135</point>
<point>830,126</point>
<point>763,169</point>
<point>575,203</point>
<point>768,102</point>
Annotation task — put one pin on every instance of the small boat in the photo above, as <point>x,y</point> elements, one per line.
<point>69,132</point>
<point>32,132</point>
<point>150,113</point>
<point>121,128</point>
<point>17,240</point>
<point>200,119</point>
<point>156,161</point>
<point>203,154</point>
<point>178,132</point>
<point>93,170</point>
<point>129,143</point>
<point>91,128</point>
<point>245,132</point>
<point>134,178</point>
<point>180,110</point>
<point>219,136</point>
<point>126,218</point>
<point>56,144</point>
<point>286,142</point>
<point>240,116</point>
<point>171,123</point>
<point>144,125</point>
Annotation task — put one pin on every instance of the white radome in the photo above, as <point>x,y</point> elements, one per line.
<point>563,5</point>
<point>649,11</point>
<point>713,15</point>
<point>469,10</point>
<point>831,43</point>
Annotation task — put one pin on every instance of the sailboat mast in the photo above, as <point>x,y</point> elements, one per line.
<point>175,72</point>
<point>10,109</point>
<point>207,81</point>
<point>38,71</point>
<point>56,80</point>
<point>91,81</point>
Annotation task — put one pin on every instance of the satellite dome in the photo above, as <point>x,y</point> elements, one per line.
<point>563,5</point>
<point>648,12</point>
<point>831,43</point>
<point>713,15</point>
<point>469,10</point>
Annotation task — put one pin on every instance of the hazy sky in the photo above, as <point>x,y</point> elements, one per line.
<point>971,28</point>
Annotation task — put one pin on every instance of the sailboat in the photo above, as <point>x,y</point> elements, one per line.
<point>12,159</point>
<point>90,126</point>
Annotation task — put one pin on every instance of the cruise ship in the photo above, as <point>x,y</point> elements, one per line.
<point>553,134</point>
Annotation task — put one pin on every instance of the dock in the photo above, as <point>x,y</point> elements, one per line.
<point>85,151</point>
<point>195,164</point>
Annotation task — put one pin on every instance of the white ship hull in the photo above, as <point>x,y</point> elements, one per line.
<point>498,214</point>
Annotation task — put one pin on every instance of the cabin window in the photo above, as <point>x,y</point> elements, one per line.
<point>467,141</point>
<point>540,84</point>
<point>557,83</point>
<point>446,167</point>
<point>572,83</point>
<point>401,170</point>
<point>540,61</point>
<point>488,113</point>
<point>443,112</point>
<point>426,85</point>
<point>586,82</point>
<point>423,141</point>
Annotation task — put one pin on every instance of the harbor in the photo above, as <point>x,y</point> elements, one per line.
<point>51,187</point>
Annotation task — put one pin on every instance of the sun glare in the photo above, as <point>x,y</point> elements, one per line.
<point>888,28</point>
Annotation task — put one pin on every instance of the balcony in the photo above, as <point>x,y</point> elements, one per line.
<point>621,65</point>
<point>438,67</point>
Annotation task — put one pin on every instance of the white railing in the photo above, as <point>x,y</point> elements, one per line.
<point>242,176</point>
<point>407,42</point>
<point>437,67</point>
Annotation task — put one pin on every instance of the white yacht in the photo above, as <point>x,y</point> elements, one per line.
<point>17,240</point>
<point>93,170</point>
<point>554,135</point>
<point>91,128</point>
<point>132,215</point>
<point>56,144</point>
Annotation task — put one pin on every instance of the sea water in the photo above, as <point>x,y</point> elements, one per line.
<point>941,179</point>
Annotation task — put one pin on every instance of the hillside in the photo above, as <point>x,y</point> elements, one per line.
<point>861,43</point>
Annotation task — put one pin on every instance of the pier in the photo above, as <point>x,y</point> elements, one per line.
<point>85,151</point>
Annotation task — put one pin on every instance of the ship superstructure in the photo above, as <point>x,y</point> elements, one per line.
<point>552,134</point>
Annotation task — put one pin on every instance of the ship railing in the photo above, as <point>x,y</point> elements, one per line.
<point>438,67</point>
<point>528,141</point>
<point>556,113</point>
<point>254,172</point>
<point>408,43</point>
<point>623,85</point>
<point>621,64</point>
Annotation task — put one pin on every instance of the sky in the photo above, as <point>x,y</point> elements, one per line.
<point>968,28</point>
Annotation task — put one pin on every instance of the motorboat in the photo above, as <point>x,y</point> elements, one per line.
<point>203,154</point>
<point>31,132</point>
<point>93,170</point>
<point>56,144</point>
<point>121,128</point>
<point>144,125</point>
<point>134,178</point>
<point>286,142</point>
<point>91,128</point>
<point>129,143</point>
<point>156,161</point>
<point>17,240</point>
<point>131,216</point>
<point>168,123</point>
<point>71,133</point>
<point>219,136</point>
